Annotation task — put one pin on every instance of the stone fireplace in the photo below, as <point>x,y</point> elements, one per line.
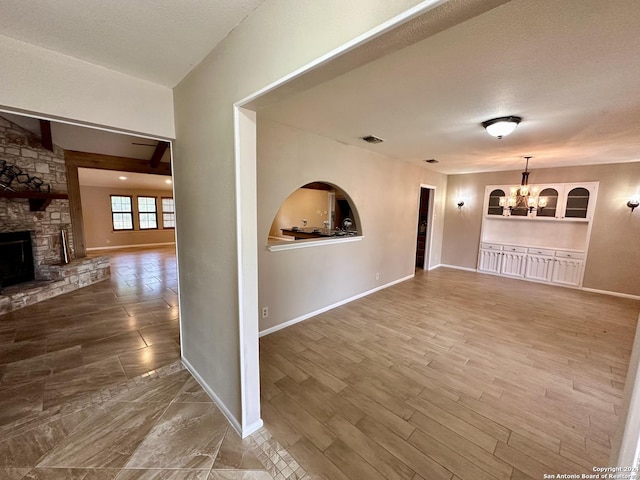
<point>42,229</point>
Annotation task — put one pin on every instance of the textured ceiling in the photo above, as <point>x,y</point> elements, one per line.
<point>156,40</point>
<point>569,68</point>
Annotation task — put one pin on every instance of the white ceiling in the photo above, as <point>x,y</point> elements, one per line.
<point>157,40</point>
<point>570,68</point>
<point>110,178</point>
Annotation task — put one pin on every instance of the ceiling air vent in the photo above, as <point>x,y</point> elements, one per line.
<point>372,139</point>
<point>432,160</point>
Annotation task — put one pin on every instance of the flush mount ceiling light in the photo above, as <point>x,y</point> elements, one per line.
<point>122,178</point>
<point>372,139</point>
<point>501,126</point>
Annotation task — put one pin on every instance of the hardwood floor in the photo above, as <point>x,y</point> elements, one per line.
<point>451,375</point>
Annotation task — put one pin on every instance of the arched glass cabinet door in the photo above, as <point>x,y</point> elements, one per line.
<point>550,210</point>
<point>577,203</point>
<point>494,202</point>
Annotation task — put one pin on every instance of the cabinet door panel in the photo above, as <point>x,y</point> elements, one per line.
<point>567,271</point>
<point>489,261</point>
<point>513,264</point>
<point>539,268</point>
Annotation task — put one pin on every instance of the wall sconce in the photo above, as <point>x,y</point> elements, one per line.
<point>460,204</point>
<point>633,203</point>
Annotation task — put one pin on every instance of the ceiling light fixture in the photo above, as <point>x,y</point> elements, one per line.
<point>524,196</point>
<point>501,126</point>
<point>122,178</point>
<point>372,139</point>
<point>168,181</point>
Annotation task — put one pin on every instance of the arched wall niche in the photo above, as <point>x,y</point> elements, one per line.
<point>315,211</point>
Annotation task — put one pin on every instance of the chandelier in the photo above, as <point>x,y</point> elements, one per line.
<point>523,196</point>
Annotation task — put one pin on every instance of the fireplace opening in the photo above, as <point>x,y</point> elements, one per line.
<point>16,258</point>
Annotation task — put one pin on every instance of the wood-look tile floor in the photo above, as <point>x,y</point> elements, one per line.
<point>91,387</point>
<point>451,375</point>
<point>67,347</point>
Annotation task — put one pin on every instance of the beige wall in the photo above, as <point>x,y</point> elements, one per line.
<point>98,228</point>
<point>385,191</point>
<point>613,260</point>
<point>41,81</point>
<point>304,203</point>
<point>278,38</point>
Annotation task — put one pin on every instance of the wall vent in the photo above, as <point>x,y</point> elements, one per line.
<point>372,139</point>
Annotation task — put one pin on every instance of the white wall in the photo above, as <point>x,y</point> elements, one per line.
<point>40,81</point>
<point>625,446</point>
<point>275,40</point>
<point>385,192</point>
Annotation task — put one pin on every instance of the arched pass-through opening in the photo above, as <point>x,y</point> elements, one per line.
<point>315,211</point>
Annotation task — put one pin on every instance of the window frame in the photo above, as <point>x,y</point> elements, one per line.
<point>172,212</point>
<point>130,213</point>
<point>154,212</point>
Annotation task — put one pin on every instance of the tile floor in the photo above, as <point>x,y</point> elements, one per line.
<point>452,375</point>
<point>91,387</point>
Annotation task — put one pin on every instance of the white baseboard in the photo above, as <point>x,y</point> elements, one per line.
<point>466,269</point>
<point>139,245</point>
<point>614,294</point>
<point>433,267</point>
<point>306,316</point>
<point>232,420</point>
<point>252,428</point>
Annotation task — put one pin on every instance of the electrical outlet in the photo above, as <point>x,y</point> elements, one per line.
<point>377,275</point>
<point>265,312</point>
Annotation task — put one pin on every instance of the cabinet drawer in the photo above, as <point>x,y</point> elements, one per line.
<point>576,255</point>
<point>541,251</point>
<point>490,246</point>
<point>514,249</point>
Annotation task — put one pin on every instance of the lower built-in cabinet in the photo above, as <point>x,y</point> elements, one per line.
<point>562,267</point>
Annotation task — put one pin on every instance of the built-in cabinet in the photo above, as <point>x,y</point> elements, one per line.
<point>561,267</point>
<point>564,201</point>
<point>547,244</point>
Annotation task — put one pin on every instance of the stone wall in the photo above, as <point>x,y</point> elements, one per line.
<point>23,148</point>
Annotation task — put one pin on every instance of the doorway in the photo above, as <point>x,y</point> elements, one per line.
<point>423,241</point>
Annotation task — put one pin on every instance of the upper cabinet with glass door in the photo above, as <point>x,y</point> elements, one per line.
<point>578,201</point>
<point>562,201</point>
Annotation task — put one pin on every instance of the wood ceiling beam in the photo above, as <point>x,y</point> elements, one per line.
<point>45,134</point>
<point>111,162</point>
<point>158,153</point>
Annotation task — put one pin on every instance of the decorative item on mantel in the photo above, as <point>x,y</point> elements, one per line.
<point>65,254</point>
<point>37,192</point>
<point>523,196</point>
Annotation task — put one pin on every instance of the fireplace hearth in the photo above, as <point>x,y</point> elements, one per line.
<point>16,258</point>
